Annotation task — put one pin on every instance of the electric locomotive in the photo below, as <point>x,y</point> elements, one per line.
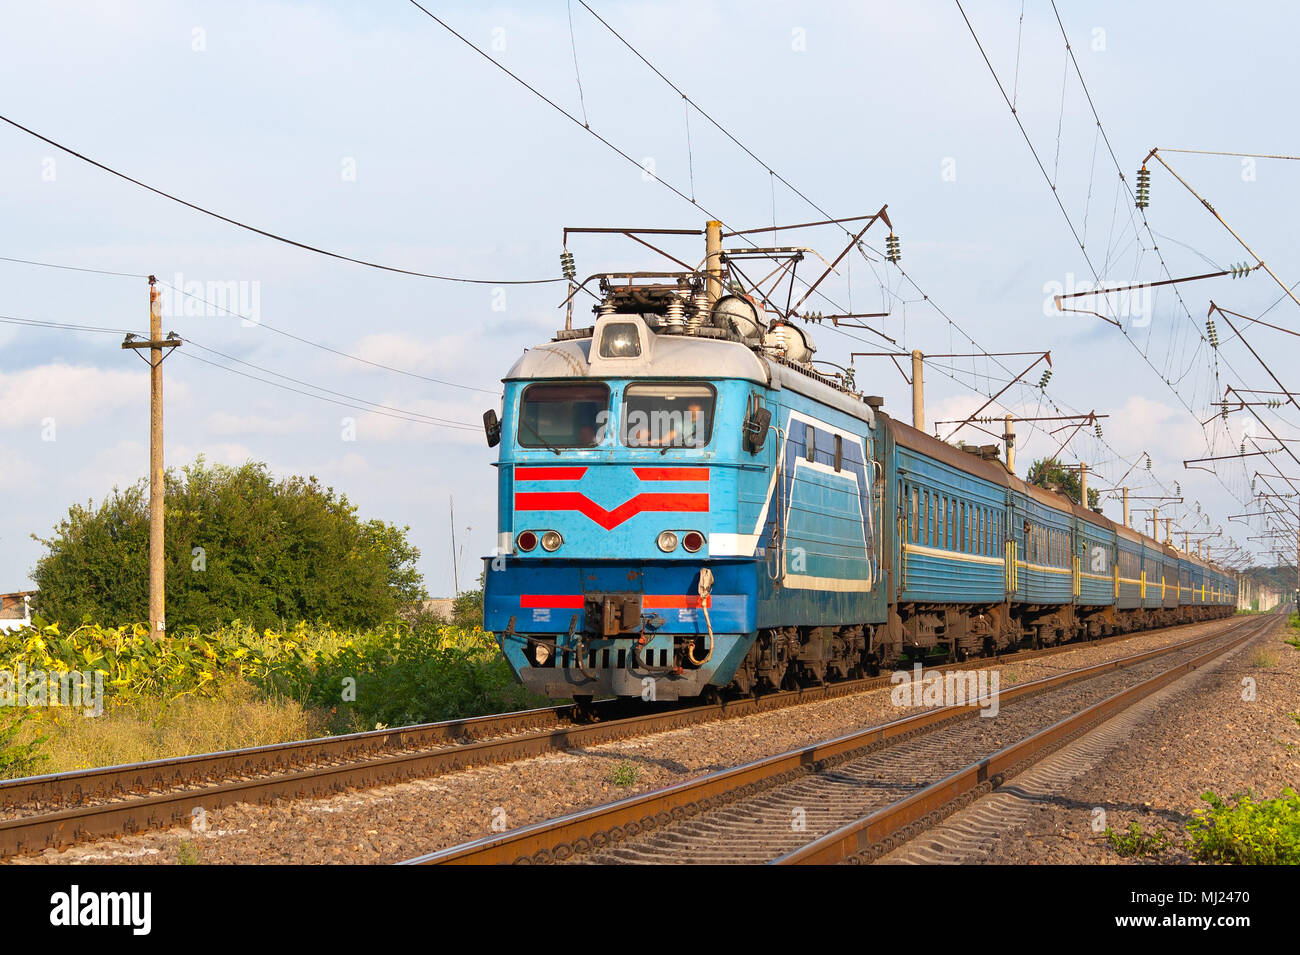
<point>685,504</point>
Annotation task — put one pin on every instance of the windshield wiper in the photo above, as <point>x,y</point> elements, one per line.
<point>545,443</point>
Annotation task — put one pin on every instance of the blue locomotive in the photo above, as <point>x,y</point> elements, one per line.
<point>686,505</point>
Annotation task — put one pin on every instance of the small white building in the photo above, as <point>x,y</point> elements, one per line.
<point>16,610</point>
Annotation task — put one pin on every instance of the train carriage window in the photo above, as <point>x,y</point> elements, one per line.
<point>961,535</point>
<point>839,453</point>
<point>927,532</point>
<point>952,525</point>
<point>563,415</point>
<point>914,527</point>
<point>668,415</point>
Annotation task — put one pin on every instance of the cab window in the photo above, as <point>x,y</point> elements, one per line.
<point>563,415</point>
<point>667,415</point>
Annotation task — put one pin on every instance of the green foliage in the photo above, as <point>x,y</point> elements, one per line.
<point>467,610</point>
<point>624,774</point>
<point>1048,473</point>
<point>18,758</point>
<point>1135,842</point>
<point>272,553</point>
<point>1247,832</point>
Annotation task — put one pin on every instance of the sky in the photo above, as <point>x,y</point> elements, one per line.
<point>371,131</point>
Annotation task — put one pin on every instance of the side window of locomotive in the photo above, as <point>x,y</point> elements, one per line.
<point>839,452</point>
<point>668,415</point>
<point>568,415</point>
<point>809,442</point>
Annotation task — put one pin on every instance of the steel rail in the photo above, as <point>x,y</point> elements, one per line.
<point>556,839</point>
<point>908,816</point>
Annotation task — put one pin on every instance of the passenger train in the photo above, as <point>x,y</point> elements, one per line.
<point>686,506</point>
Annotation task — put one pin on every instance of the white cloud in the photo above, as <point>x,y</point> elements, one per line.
<point>70,394</point>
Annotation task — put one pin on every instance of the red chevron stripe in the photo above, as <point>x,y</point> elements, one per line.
<point>573,501</point>
<point>672,474</point>
<point>560,601</point>
<point>549,474</point>
<point>650,601</point>
<point>674,602</point>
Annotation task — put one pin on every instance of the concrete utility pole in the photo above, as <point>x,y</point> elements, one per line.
<point>918,391</point>
<point>1168,538</point>
<point>1127,523</point>
<point>713,259</point>
<point>155,344</point>
<point>1083,485</point>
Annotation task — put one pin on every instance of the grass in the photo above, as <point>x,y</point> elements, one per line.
<point>233,718</point>
<point>1264,658</point>
<point>187,853</point>
<point>1241,831</point>
<point>1136,842</point>
<point>624,774</point>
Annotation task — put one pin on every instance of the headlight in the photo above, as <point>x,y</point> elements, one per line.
<point>551,541</point>
<point>667,541</point>
<point>693,541</point>
<point>620,340</point>
<point>526,541</point>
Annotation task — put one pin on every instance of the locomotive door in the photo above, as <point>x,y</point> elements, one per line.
<point>1011,547</point>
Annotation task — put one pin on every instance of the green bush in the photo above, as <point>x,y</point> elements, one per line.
<point>1246,832</point>
<point>1135,842</point>
<point>272,553</point>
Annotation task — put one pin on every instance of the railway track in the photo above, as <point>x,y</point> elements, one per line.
<point>860,795</point>
<point>62,809</point>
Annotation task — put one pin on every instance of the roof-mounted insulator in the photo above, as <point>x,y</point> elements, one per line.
<point>1143,187</point>
<point>567,266</point>
<point>892,250</point>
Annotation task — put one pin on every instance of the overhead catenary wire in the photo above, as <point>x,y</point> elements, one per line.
<point>904,275</point>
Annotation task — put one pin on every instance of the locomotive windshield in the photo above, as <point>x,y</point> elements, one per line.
<point>668,415</point>
<point>563,415</point>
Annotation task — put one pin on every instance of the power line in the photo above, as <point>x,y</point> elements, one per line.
<point>74,268</point>
<point>432,419</point>
<point>266,233</point>
<point>400,417</point>
<point>259,324</point>
<point>323,347</point>
<point>41,323</point>
<point>402,413</point>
